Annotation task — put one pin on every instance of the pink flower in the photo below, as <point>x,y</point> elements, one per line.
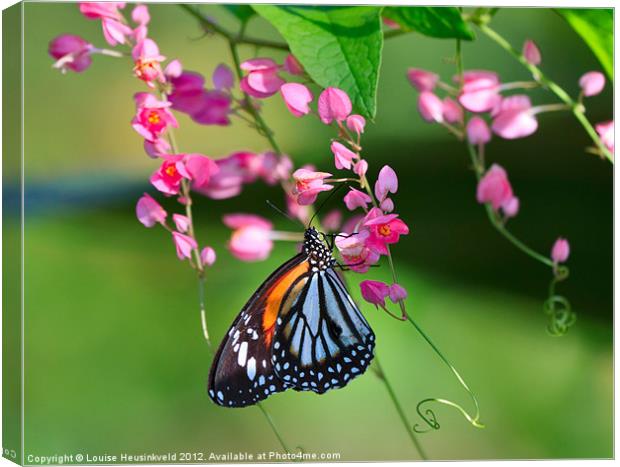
<point>531,52</point>
<point>292,65</point>
<point>480,92</point>
<point>605,131</point>
<point>343,156</point>
<point>147,62</point>
<point>355,252</point>
<point>181,222</point>
<point>159,147</point>
<point>422,80</point>
<point>208,256</point>
<point>430,107</point>
<point>494,188</point>
<point>387,182</point>
<point>152,116</point>
<point>140,14</point>
<point>184,245</point>
<point>234,171</point>
<point>308,185</point>
<point>149,212</point>
<point>515,118</point>
<point>592,83</point>
<point>452,111</point>
<point>511,207</point>
<point>387,205</point>
<point>334,104</point>
<point>262,79</point>
<point>374,292</point>
<point>98,10</point>
<point>361,167</point>
<point>71,52</point>
<point>384,229</point>
<point>356,123</point>
<point>223,77</point>
<point>173,69</point>
<point>167,178</point>
<point>397,293</point>
<point>332,221</point>
<point>198,168</point>
<point>560,250</point>
<point>478,132</point>
<point>296,97</point>
<point>251,238</point>
<point>115,32</point>
<point>296,210</point>
<point>204,107</point>
<point>356,199</point>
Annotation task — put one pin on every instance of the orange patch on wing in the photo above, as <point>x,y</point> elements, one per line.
<point>275,294</point>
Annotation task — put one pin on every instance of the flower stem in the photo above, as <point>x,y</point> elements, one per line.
<point>273,426</point>
<point>576,108</point>
<point>401,413</point>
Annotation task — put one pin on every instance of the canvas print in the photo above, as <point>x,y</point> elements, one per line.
<point>277,233</point>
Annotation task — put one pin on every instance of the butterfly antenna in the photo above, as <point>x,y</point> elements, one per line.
<point>280,211</point>
<point>324,203</point>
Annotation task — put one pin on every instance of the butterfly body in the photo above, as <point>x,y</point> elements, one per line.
<point>300,330</point>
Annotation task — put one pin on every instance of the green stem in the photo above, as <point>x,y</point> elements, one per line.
<point>473,420</point>
<point>399,409</point>
<point>212,26</point>
<point>575,107</point>
<point>273,427</point>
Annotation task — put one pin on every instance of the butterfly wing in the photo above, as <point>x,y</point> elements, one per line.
<point>242,372</point>
<point>321,340</point>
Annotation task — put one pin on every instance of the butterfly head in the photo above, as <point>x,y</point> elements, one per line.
<point>319,254</point>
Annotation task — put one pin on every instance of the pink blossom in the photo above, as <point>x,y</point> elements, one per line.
<point>430,107</point>
<point>159,147</point>
<point>374,292</point>
<point>355,252</point>
<point>605,131</point>
<point>332,221</point>
<point>515,118</point>
<point>184,245</point>
<point>478,132</point>
<point>343,156</point>
<point>480,92</point>
<point>494,187</point>
<point>181,222</point>
<point>292,65</point>
<point>71,52</point>
<point>387,182</point>
<point>98,10</point>
<point>511,207</point>
<point>140,14</point>
<point>384,229</point>
<point>198,168</point>
<point>356,123</point>
<point>147,62</point>
<point>296,97</point>
<point>233,173</point>
<point>356,199</point>
<point>452,111</point>
<point>204,107</point>
<point>422,80</point>
<point>208,256</point>
<point>334,104</point>
<point>560,251</point>
<point>308,185</point>
<point>223,77</point>
<point>361,167</point>
<point>592,83</point>
<point>149,212</point>
<point>167,178</point>
<point>251,238</point>
<point>296,210</point>
<point>262,79</point>
<point>387,205</point>
<point>531,53</point>
<point>152,116</point>
<point>397,293</point>
<point>173,69</point>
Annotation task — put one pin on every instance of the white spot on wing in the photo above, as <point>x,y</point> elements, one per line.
<point>243,353</point>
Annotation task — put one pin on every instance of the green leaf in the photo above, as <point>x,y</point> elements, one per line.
<point>596,28</point>
<point>242,12</point>
<point>442,22</point>
<point>338,46</point>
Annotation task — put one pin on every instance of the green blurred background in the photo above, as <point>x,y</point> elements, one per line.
<point>115,360</point>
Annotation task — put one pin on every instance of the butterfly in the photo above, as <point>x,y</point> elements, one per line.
<point>301,329</point>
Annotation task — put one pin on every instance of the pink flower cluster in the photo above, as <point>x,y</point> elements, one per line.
<point>481,92</point>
